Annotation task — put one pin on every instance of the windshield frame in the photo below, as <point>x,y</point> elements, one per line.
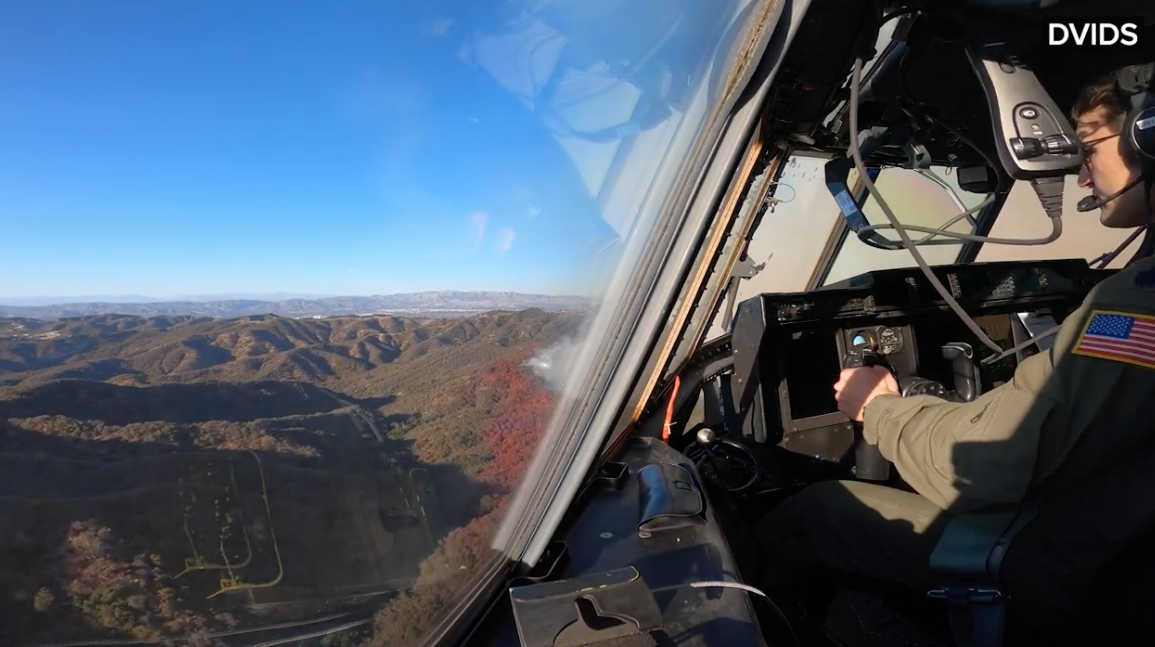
<point>628,327</point>
<point>655,358</point>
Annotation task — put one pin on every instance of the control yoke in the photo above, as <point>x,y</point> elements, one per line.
<point>869,464</point>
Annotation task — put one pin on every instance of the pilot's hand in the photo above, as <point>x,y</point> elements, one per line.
<point>856,387</point>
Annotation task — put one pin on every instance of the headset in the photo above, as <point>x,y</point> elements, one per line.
<point>1139,129</point>
<point>1138,134</point>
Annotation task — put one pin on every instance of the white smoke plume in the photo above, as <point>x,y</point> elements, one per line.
<point>554,363</point>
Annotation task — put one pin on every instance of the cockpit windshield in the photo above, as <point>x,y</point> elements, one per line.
<point>805,243</point>
<point>928,198</point>
<point>290,291</point>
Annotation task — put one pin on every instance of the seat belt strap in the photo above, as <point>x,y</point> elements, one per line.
<point>968,558</point>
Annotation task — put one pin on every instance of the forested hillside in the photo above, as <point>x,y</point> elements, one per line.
<point>182,476</point>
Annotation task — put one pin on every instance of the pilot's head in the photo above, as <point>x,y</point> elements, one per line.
<point>1099,115</point>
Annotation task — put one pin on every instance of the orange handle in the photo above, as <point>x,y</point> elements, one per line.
<point>670,410</point>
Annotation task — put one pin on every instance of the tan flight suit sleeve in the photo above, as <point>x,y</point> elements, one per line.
<point>938,446</point>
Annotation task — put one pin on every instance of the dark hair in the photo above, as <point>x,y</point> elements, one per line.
<point>1103,93</point>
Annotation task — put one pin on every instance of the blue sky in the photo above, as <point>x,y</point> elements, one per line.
<point>178,148</point>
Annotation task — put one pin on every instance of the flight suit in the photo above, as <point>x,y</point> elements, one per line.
<point>1073,429</point>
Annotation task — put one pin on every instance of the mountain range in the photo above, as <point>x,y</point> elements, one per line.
<point>436,303</point>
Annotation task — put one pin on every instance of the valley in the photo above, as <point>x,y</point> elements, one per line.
<point>190,477</point>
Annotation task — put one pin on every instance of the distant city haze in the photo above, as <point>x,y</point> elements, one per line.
<point>226,306</point>
<point>140,298</point>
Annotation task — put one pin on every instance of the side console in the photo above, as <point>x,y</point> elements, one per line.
<point>790,347</point>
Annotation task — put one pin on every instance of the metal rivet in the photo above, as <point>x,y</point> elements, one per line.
<point>644,534</point>
<point>606,535</point>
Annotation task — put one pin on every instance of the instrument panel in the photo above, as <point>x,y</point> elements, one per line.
<point>789,348</point>
<point>884,340</point>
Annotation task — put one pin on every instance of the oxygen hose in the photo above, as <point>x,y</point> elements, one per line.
<point>856,153</point>
<point>1056,230</point>
<point>1052,203</point>
<point>722,584</point>
<point>1105,259</point>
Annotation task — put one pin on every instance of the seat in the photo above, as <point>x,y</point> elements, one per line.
<point>968,560</point>
<point>1068,560</point>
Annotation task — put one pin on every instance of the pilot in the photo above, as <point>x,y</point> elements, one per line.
<point>1066,415</point>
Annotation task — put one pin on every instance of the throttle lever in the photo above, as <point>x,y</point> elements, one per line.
<point>966,378</point>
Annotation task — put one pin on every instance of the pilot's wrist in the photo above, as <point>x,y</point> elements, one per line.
<point>875,413</point>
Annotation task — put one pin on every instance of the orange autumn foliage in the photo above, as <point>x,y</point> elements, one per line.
<point>523,406</point>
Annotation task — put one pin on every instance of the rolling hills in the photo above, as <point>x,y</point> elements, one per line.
<point>425,304</point>
<point>185,475</point>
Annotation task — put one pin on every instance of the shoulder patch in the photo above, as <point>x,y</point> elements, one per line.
<point>1118,336</point>
<point>1144,279</point>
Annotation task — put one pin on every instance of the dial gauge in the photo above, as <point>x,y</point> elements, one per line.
<point>889,341</point>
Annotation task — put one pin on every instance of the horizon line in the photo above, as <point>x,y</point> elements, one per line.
<point>272,296</point>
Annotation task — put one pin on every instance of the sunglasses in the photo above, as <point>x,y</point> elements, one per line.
<point>1089,147</point>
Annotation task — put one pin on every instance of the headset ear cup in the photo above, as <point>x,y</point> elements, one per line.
<point>1127,144</point>
<point>1138,83</point>
<point>1139,135</point>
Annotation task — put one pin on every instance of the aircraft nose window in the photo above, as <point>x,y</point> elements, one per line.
<point>318,278</point>
<point>931,200</point>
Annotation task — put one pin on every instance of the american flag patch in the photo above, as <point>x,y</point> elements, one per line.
<point>1118,336</point>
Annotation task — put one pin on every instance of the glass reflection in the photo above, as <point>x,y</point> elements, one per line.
<point>369,238</point>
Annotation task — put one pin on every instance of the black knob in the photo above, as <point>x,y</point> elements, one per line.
<point>1027,147</point>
